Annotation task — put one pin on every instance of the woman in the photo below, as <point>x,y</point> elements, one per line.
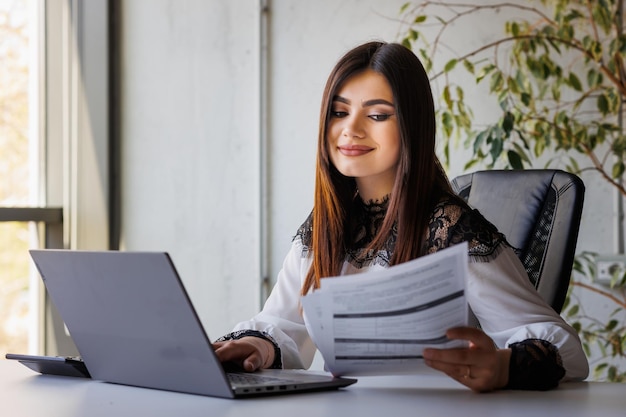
<point>382,198</point>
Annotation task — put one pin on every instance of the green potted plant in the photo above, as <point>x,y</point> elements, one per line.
<point>558,75</point>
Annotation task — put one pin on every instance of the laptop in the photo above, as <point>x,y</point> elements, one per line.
<point>134,324</point>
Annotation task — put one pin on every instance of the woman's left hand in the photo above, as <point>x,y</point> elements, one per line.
<point>481,366</point>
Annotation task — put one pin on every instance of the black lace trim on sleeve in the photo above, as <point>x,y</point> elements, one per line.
<point>535,365</point>
<point>305,234</point>
<point>453,222</point>
<point>277,364</point>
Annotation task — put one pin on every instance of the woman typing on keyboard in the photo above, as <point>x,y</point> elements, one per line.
<point>381,199</point>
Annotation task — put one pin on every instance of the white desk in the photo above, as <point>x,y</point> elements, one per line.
<point>24,393</point>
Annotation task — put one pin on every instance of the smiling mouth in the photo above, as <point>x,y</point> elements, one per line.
<point>354,150</point>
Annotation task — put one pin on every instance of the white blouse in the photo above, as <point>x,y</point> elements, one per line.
<point>507,306</point>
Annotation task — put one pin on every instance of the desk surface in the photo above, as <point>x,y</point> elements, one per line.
<point>25,393</point>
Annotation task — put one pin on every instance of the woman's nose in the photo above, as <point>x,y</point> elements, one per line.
<point>353,128</point>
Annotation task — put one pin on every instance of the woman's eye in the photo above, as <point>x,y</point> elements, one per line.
<point>379,117</point>
<point>338,113</point>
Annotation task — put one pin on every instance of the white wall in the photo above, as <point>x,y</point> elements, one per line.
<point>189,133</point>
<point>190,117</point>
<point>307,38</point>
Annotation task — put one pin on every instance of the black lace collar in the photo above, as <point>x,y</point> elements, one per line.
<point>450,223</point>
<point>365,220</point>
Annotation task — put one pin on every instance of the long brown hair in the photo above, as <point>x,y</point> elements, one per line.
<point>420,179</point>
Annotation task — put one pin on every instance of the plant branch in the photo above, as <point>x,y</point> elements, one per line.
<point>471,8</point>
<point>593,21</point>
<point>620,83</point>
<point>606,294</point>
<point>598,165</point>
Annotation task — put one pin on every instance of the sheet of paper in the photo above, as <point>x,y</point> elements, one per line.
<point>380,322</point>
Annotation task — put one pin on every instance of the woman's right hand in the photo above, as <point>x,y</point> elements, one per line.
<point>250,353</point>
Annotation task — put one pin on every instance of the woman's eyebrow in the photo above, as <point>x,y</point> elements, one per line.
<point>341,99</point>
<point>365,103</point>
<point>376,101</point>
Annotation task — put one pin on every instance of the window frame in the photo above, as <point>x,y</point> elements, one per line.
<point>71,129</point>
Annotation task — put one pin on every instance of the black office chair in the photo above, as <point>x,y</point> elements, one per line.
<point>539,212</point>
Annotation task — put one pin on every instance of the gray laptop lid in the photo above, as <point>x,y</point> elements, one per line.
<point>133,323</point>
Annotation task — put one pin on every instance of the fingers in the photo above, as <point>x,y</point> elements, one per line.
<point>240,352</point>
<point>476,337</point>
<point>480,346</point>
<point>250,353</point>
<point>480,366</point>
<point>453,362</point>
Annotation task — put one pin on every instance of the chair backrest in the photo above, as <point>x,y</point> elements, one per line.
<point>539,212</point>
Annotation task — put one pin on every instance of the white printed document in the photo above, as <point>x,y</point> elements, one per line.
<point>380,322</point>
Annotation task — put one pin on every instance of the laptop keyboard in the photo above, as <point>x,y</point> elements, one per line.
<point>254,379</point>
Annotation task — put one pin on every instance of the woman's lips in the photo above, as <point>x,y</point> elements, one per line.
<point>354,150</point>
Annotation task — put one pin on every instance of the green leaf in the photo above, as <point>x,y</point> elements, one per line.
<point>508,122</point>
<point>450,65</point>
<point>480,139</point>
<point>512,85</point>
<point>573,15</point>
<point>460,94</point>
<point>484,71</point>
<point>566,32</point>
<point>594,78</point>
<point>602,15</point>
<point>618,169</point>
<point>614,100</point>
<point>574,82</point>
<point>404,7</point>
<point>504,99</point>
<point>601,367</point>
<point>468,66</point>
<point>521,151</point>
<point>534,67</point>
<point>603,104</point>
<point>540,146</point>
<point>554,45</point>
<point>515,160</point>
<point>561,118</point>
<point>573,163</point>
<point>596,51</point>
<point>446,120</point>
<point>521,80</point>
<point>471,163</point>
<point>496,148</point>
<point>447,97</point>
<point>497,81</point>
<point>622,44</point>
<point>556,92</point>
<point>420,19</point>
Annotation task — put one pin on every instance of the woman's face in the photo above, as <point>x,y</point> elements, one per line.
<point>363,135</point>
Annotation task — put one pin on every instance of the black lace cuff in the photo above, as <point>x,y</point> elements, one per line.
<point>535,365</point>
<point>277,364</point>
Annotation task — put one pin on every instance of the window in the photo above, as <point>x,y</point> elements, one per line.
<point>17,310</point>
<point>54,141</point>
